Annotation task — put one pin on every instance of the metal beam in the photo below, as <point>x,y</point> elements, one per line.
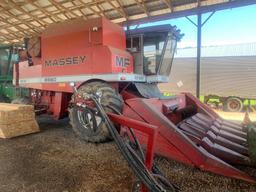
<point>194,11</point>
<point>191,21</point>
<point>198,63</point>
<point>208,18</point>
<point>199,26</point>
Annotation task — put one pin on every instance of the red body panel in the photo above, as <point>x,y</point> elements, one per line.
<point>77,48</point>
<point>171,142</point>
<point>26,71</point>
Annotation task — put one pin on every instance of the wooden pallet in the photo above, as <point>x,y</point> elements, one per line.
<point>17,120</point>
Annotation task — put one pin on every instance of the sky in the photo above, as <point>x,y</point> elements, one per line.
<point>231,26</point>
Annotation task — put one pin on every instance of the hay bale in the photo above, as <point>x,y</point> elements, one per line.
<point>16,120</point>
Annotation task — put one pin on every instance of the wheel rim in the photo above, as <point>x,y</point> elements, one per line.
<point>89,120</point>
<point>234,105</point>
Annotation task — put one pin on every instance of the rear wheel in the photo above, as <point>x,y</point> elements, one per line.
<point>233,104</point>
<point>4,99</point>
<point>86,123</point>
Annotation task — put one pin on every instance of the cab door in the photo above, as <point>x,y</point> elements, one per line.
<point>134,45</point>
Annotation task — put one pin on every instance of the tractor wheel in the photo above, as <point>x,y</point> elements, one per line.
<point>4,99</point>
<point>22,101</point>
<point>85,123</point>
<point>233,104</point>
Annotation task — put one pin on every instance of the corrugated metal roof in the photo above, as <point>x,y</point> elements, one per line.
<point>245,49</point>
<point>24,18</point>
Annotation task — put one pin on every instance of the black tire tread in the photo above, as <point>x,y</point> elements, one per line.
<point>3,99</point>
<point>110,97</point>
<point>226,104</point>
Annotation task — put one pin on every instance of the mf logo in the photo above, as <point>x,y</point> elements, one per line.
<point>122,61</point>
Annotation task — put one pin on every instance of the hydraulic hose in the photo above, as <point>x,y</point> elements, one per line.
<point>154,181</point>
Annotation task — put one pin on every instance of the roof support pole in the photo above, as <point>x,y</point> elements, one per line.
<point>199,26</point>
<point>198,57</point>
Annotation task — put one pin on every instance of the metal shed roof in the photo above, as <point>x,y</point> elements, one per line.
<point>23,18</point>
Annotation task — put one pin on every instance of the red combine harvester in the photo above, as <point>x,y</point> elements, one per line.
<point>72,60</point>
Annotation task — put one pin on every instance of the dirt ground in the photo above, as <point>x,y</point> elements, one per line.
<point>54,160</point>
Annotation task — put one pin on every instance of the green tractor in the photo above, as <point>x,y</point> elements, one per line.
<point>8,57</point>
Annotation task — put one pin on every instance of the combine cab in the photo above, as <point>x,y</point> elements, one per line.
<point>71,61</point>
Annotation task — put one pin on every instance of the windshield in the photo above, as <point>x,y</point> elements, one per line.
<point>158,53</point>
<point>167,57</point>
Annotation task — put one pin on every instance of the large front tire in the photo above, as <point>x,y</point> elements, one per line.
<point>86,124</point>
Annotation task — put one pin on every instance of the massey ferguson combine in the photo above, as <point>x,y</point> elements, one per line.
<point>102,77</point>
